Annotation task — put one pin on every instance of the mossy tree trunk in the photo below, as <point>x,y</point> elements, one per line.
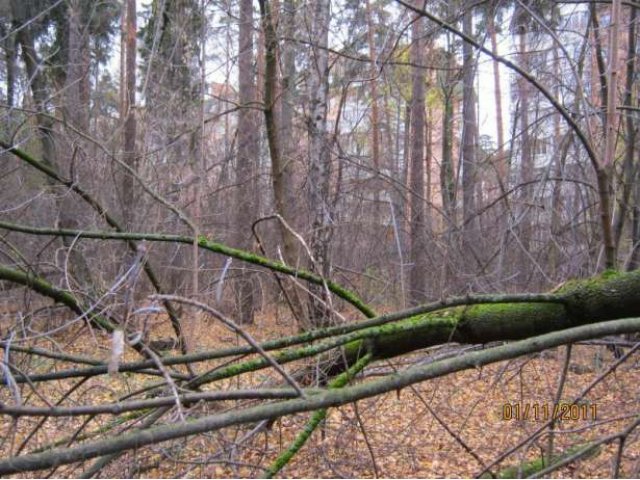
<point>607,297</point>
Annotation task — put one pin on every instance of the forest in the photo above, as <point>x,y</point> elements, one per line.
<point>319,239</point>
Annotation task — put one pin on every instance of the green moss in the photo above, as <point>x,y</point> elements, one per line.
<point>532,467</point>
<point>595,282</point>
<point>353,350</point>
<point>610,273</point>
<point>509,321</point>
<point>317,417</point>
<point>249,257</point>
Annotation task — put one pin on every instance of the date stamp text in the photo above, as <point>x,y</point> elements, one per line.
<point>542,412</point>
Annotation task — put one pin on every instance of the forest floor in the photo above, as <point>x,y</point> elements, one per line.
<point>449,427</point>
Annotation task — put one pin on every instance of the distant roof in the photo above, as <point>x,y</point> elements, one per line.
<point>223,91</point>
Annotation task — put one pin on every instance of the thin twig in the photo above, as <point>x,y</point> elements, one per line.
<point>167,377</point>
<point>556,401</point>
<point>237,329</point>
<point>540,430</point>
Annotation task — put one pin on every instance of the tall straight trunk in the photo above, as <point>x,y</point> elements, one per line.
<point>469,130</point>
<point>447,180</point>
<point>285,196</point>
<point>599,56</point>
<point>319,160</point>
<point>526,158</point>
<point>612,85</point>
<point>76,111</point>
<point>128,111</point>
<point>392,142</point>
<point>634,259</point>
<point>556,198</point>
<point>404,113</point>
<point>77,114</point>
<point>428,155</point>
<point>247,154</point>
<point>418,272</point>
<point>375,112</point>
<point>406,148</point>
<point>280,139</point>
<point>526,154</point>
<point>605,171</point>
<point>501,169</point>
<point>10,53</point>
<point>630,141</point>
<point>608,99</point>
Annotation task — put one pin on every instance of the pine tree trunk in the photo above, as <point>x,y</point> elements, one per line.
<point>417,275</point>
<point>469,133</point>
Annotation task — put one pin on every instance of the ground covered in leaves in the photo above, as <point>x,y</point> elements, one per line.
<point>449,427</point>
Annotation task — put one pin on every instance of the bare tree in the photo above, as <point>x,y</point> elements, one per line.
<point>319,179</point>
<point>247,157</point>
<point>418,224</point>
<point>469,133</point>
<point>128,112</point>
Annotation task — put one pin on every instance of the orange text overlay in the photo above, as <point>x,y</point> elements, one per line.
<point>546,411</point>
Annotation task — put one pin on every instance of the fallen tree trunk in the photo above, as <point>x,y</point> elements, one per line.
<point>330,398</point>
<point>579,310</point>
<point>609,296</point>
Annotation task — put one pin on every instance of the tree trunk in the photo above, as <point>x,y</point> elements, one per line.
<point>634,259</point>
<point>605,171</point>
<point>526,155</point>
<point>76,111</point>
<point>247,157</point>
<point>319,161</point>
<point>628,167</point>
<point>580,302</point>
<point>469,133</point>
<point>128,111</point>
<point>447,180</point>
<point>502,167</point>
<point>375,112</point>
<point>10,54</point>
<point>608,98</point>
<point>418,272</point>
<point>280,139</point>
<point>284,190</point>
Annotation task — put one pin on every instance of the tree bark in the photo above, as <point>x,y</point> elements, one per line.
<point>128,111</point>
<point>417,274</point>
<point>634,258</point>
<point>469,132</point>
<point>502,168</point>
<point>526,155</point>
<point>605,171</point>
<point>608,98</point>
<point>628,167</point>
<point>319,162</point>
<point>606,297</point>
<point>247,159</point>
<point>375,111</point>
<point>10,54</point>
<point>280,139</point>
<point>447,180</point>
